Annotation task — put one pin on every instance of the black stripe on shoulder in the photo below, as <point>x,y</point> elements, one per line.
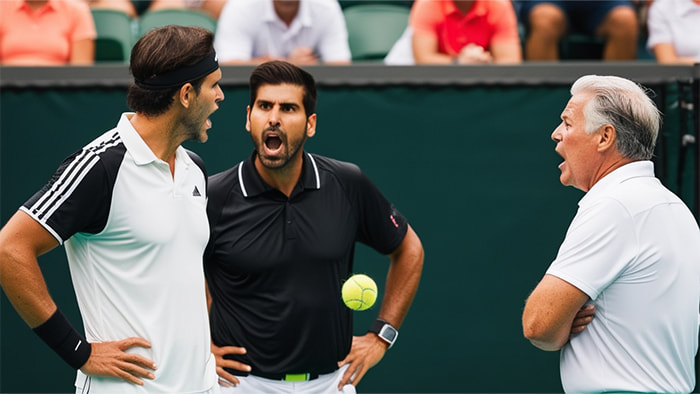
<point>200,163</point>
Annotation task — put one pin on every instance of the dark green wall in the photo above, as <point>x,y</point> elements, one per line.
<point>473,168</point>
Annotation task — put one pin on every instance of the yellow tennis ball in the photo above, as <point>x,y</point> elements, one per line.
<point>359,292</point>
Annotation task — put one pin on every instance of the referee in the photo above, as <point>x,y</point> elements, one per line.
<point>284,223</point>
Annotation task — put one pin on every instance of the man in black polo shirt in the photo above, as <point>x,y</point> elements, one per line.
<point>284,226</point>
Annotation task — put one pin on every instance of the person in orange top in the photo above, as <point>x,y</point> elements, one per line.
<point>46,33</point>
<point>465,32</point>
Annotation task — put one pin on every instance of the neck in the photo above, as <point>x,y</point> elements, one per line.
<point>464,5</point>
<point>286,10</point>
<point>36,4</point>
<point>284,178</point>
<point>159,133</point>
<point>608,167</point>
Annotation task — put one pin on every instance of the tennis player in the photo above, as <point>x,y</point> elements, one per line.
<point>284,227</point>
<point>130,209</point>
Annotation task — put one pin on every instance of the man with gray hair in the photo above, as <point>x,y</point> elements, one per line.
<point>631,255</point>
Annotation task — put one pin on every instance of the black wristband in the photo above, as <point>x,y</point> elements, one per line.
<point>63,339</point>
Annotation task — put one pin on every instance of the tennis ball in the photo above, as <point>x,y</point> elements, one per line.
<point>359,292</point>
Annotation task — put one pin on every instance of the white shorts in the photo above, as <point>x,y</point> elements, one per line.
<point>324,384</point>
<point>83,383</point>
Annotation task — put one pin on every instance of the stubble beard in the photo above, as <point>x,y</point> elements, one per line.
<point>279,162</point>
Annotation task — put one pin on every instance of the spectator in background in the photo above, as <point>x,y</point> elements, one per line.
<point>134,8</point>
<point>674,31</point>
<point>301,32</point>
<point>46,33</point>
<point>211,7</point>
<point>547,23</point>
<point>459,32</point>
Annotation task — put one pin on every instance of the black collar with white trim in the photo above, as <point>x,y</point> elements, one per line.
<point>252,183</point>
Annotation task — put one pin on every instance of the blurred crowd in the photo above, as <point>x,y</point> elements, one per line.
<point>64,32</point>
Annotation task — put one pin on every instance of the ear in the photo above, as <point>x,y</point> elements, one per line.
<point>607,136</point>
<point>186,94</point>
<point>311,125</point>
<point>247,118</point>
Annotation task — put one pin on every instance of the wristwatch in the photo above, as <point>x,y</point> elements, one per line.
<point>385,331</point>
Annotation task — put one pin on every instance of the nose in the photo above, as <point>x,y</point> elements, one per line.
<point>274,117</point>
<point>556,135</point>
<point>219,94</point>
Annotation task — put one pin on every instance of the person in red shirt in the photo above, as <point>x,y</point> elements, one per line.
<point>46,33</point>
<point>464,32</point>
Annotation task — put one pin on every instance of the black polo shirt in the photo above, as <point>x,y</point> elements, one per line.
<point>275,265</point>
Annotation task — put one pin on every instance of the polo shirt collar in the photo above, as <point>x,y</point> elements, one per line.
<point>636,169</point>
<point>137,147</point>
<point>303,17</point>
<point>252,183</point>
<point>22,4</point>
<point>304,14</point>
<point>479,9</point>
<point>269,12</point>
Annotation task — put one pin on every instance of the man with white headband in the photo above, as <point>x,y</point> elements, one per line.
<point>130,208</point>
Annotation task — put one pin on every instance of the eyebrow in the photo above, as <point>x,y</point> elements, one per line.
<point>282,104</point>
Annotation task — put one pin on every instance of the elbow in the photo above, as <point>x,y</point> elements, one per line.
<point>546,346</point>
<point>531,330</point>
<point>540,337</point>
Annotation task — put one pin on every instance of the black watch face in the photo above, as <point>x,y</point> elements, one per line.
<point>389,334</point>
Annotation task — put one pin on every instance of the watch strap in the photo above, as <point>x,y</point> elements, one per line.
<point>377,328</point>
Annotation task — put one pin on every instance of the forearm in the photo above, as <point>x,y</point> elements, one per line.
<point>22,240</point>
<point>83,52</point>
<point>433,58</point>
<point>402,280</point>
<point>24,285</point>
<point>550,311</point>
<point>507,54</point>
<point>545,330</point>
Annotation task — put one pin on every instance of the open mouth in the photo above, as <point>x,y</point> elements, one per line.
<point>562,157</point>
<point>273,142</point>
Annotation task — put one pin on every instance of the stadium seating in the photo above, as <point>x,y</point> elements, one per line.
<point>351,3</point>
<point>185,17</point>
<point>115,35</point>
<point>373,29</point>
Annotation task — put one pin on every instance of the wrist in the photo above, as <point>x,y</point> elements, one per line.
<point>62,338</point>
<point>384,331</point>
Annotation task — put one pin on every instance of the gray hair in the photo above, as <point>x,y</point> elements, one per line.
<point>624,105</point>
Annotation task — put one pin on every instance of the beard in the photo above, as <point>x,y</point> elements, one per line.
<point>193,125</point>
<point>289,149</point>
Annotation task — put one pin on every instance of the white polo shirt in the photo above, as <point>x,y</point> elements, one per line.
<point>675,22</point>
<point>250,28</point>
<point>134,236</point>
<point>634,248</point>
